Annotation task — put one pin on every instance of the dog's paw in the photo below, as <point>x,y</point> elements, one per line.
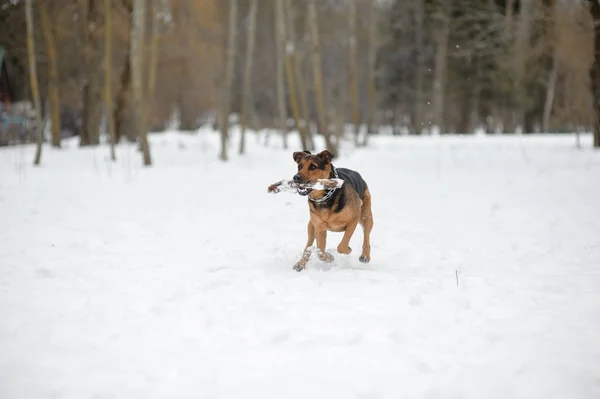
<point>345,251</point>
<point>299,267</point>
<point>326,257</point>
<point>364,259</point>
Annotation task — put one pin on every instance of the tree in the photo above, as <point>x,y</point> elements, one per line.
<point>279,59</point>
<point>371,72</point>
<point>137,64</point>
<point>53,81</point>
<point>108,103</point>
<point>247,84</point>
<point>123,97</point>
<point>442,18</point>
<point>92,100</point>
<point>418,119</point>
<point>33,78</point>
<point>522,47</point>
<point>353,68</point>
<point>317,76</point>
<point>290,75</point>
<point>296,81</point>
<point>227,87</point>
<point>153,62</point>
<point>551,90</point>
<point>595,71</point>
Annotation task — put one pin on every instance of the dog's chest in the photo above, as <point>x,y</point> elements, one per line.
<point>328,220</point>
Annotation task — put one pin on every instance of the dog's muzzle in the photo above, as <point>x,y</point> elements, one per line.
<point>302,191</point>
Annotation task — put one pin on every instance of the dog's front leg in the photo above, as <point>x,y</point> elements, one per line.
<point>344,247</point>
<point>301,264</point>
<point>321,243</point>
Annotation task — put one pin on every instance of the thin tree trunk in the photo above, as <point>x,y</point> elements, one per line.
<point>441,55</point>
<point>475,98</point>
<point>550,90</point>
<point>33,79</point>
<point>108,77</point>
<point>521,49</point>
<point>187,104</point>
<point>247,84</point>
<point>153,64</point>
<point>92,98</point>
<point>371,59</point>
<point>228,81</point>
<point>137,77</point>
<point>303,69</point>
<point>508,20</point>
<point>595,71</point>
<point>353,70</point>
<point>299,86</point>
<point>289,72</point>
<point>317,75</point>
<point>123,96</point>
<point>53,75</point>
<point>280,55</point>
<point>420,71</point>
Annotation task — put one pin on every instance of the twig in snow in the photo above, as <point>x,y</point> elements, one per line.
<point>456,271</point>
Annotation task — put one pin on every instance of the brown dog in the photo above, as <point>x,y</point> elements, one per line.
<point>337,210</point>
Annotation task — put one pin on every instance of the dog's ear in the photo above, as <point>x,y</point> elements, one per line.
<point>325,156</point>
<point>299,155</point>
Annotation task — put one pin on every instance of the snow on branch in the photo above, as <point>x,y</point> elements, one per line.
<point>291,187</point>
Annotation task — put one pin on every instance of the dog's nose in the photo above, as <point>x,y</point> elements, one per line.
<point>297,178</point>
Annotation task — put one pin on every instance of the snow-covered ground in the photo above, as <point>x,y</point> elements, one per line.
<point>176,281</point>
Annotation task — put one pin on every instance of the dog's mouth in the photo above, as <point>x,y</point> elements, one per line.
<point>304,191</point>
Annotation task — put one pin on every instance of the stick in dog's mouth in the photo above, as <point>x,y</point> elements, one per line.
<point>304,191</point>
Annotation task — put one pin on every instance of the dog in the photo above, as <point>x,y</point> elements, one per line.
<point>336,210</point>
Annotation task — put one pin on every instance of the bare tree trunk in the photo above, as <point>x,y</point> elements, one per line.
<point>441,55</point>
<point>550,90</point>
<point>302,69</point>
<point>521,49</point>
<point>299,86</point>
<point>475,99</point>
<point>247,84</point>
<point>123,96</point>
<point>337,116</point>
<point>92,98</point>
<point>371,59</point>
<point>508,20</point>
<point>289,71</point>
<point>137,76</point>
<point>420,71</point>
<point>280,55</point>
<point>187,104</point>
<point>108,76</point>
<point>353,69</point>
<point>33,79</point>
<point>153,64</point>
<point>317,75</point>
<point>595,71</point>
<point>228,80</point>
<point>53,75</point>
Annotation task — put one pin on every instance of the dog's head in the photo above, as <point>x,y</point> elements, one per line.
<point>312,167</point>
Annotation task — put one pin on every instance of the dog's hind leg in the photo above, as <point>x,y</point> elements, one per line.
<point>366,219</point>
<point>301,264</point>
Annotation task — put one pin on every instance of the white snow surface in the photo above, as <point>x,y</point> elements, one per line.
<point>176,281</point>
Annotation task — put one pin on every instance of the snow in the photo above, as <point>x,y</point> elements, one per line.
<point>176,281</point>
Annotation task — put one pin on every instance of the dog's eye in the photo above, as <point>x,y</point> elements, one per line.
<point>312,167</point>
<point>299,167</point>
